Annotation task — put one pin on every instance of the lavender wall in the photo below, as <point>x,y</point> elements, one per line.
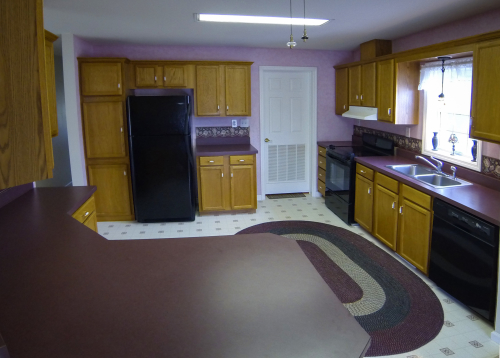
<point>475,25</point>
<point>330,126</point>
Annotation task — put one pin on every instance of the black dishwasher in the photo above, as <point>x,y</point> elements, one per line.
<point>464,258</point>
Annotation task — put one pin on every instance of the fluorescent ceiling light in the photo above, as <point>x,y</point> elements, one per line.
<point>259,19</point>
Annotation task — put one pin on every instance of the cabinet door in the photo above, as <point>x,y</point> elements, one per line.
<point>369,84</point>
<point>51,82</point>
<point>363,203</point>
<point>145,76</point>
<point>112,197</point>
<point>91,222</point>
<point>414,234</point>
<point>212,189</point>
<point>238,91</point>
<point>207,91</point>
<point>174,76</point>
<point>243,195</point>
<point>385,90</point>
<point>385,216</point>
<point>104,132</point>
<point>485,91</point>
<point>354,85</point>
<point>341,91</point>
<point>101,79</point>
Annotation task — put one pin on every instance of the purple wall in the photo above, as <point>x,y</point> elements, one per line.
<point>330,126</point>
<point>475,25</point>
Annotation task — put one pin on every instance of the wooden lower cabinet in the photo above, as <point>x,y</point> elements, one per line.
<point>385,216</point>
<point>230,186</point>
<point>212,188</point>
<point>113,191</point>
<point>414,234</point>
<point>86,214</point>
<point>363,203</point>
<point>321,169</point>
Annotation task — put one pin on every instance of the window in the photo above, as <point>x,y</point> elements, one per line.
<point>449,118</point>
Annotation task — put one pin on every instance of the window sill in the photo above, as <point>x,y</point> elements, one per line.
<point>457,160</point>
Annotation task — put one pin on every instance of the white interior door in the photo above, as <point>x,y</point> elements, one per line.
<point>286,117</point>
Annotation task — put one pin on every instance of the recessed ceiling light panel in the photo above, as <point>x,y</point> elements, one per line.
<point>259,19</point>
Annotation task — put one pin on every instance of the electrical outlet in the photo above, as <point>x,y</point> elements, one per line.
<point>408,129</point>
<point>234,122</point>
<point>244,122</point>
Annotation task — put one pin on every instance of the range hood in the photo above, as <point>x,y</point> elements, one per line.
<point>366,113</point>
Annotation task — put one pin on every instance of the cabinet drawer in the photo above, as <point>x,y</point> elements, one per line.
<point>85,211</point>
<point>321,187</point>
<point>416,196</point>
<point>211,160</point>
<point>321,162</point>
<point>386,182</point>
<point>322,151</point>
<point>321,174</point>
<point>364,171</point>
<point>241,159</point>
<point>91,221</point>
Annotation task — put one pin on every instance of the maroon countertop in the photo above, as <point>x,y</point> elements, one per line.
<point>325,144</point>
<point>67,292</point>
<point>225,149</point>
<point>475,199</point>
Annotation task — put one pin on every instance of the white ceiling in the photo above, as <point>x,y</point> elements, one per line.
<point>165,22</point>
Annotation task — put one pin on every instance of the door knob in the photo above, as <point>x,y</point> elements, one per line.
<point>267,140</point>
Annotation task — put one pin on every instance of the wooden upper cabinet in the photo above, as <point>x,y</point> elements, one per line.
<point>341,91</point>
<point>486,93</point>
<point>207,90</point>
<point>368,84</point>
<point>51,81</point>
<point>112,197</point>
<point>174,76</point>
<point>354,85</point>
<point>26,143</point>
<point>146,76</point>
<point>104,129</point>
<point>385,90</point>
<point>101,78</point>
<point>238,90</point>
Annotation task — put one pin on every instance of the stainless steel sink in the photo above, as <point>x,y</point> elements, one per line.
<point>426,175</point>
<point>410,169</point>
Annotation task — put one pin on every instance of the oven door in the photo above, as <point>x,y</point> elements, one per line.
<point>338,177</point>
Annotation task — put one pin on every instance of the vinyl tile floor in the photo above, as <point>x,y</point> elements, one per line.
<point>464,333</point>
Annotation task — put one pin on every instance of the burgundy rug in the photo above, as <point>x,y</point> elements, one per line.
<point>397,309</point>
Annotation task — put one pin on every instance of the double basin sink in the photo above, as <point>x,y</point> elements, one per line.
<point>428,176</point>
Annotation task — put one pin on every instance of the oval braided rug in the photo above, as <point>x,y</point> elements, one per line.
<point>397,309</point>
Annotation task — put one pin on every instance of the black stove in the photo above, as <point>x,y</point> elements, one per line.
<point>341,173</point>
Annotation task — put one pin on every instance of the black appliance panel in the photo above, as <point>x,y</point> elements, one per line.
<point>162,178</point>
<point>338,174</point>
<point>464,258</point>
<point>158,115</point>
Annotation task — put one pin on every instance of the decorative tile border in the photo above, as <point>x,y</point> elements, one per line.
<point>213,132</point>
<point>408,143</point>
<point>491,167</point>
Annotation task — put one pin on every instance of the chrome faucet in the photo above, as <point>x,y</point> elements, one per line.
<point>454,175</point>
<point>438,166</point>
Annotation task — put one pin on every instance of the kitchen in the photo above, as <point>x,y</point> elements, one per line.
<point>329,127</point>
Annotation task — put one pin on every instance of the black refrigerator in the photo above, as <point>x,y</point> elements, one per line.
<point>161,158</point>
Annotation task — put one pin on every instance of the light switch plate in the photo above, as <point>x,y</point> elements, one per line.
<point>234,122</point>
<point>244,122</point>
<point>408,130</point>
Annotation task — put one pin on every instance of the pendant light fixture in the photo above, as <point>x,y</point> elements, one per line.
<point>304,37</point>
<point>291,44</point>
<point>442,58</point>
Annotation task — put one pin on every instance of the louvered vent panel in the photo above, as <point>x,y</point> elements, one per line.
<point>286,163</point>
<point>272,162</point>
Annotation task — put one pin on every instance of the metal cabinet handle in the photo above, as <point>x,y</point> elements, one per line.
<point>242,160</point>
<point>227,107</point>
<point>231,175</point>
<point>86,213</point>
<point>218,107</point>
<point>321,175</point>
<point>119,85</point>
<point>401,210</point>
<point>393,205</point>
<point>357,97</point>
<point>222,175</point>
<point>125,173</point>
<point>155,78</point>
<point>361,97</point>
<point>320,162</point>
<point>344,106</point>
<point>361,171</point>
<point>211,161</point>
<point>121,129</point>
<point>369,190</point>
<point>165,79</point>
<point>389,111</point>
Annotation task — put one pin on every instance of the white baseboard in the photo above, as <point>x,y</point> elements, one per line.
<point>260,197</point>
<point>495,337</point>
<point>316,194</point>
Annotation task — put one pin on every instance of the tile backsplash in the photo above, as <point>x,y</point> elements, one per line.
<point>224,132</point>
